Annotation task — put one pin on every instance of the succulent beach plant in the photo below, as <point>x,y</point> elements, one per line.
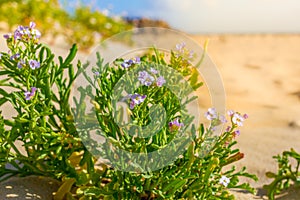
<point>53,139</point>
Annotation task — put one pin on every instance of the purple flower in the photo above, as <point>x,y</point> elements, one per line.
<point>237,133</point>
<point>97,73</point>
<point>128,63</point>
<point>230,112</point>
<point>1,55</point>
<point>18,34</point>
<point>191,54</point>
<point>34,64</point>
<point>246,116</point>
<point>137,60</point>
<point>36,33</point>
<point>136,99</point>
<point>211,114</point>
<point>26,33</point>
<point>180,47</point>
<point>7,36</point>
<point>32,25</point>
<point>29,94</point>
<point>20,64</point>
<point>175,125</point>
<point>160,81</point>
<point>145,78</point>
<point>15,56</point>
<point>153,71</point>
<point>222,119</point>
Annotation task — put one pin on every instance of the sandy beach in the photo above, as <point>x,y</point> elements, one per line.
<point>261,78</point>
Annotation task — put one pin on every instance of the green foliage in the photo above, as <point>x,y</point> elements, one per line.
<point>287,173</point>
<point>196,174</point>
<point>42,124</point>
<point>51,132</point>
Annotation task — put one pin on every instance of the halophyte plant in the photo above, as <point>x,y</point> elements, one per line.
<point>139,108</point>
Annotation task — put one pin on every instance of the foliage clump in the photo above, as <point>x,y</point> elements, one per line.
<point>53,134</point>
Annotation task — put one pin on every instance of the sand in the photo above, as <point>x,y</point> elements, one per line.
<point>261,77</point>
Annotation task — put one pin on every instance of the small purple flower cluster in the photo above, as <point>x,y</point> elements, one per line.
<point>182,51</point>
<point>24,33</point>
<point>236,118</point>
<point>212,115</point>
<point>136,99</point>
<point>175,125</point>
<point>147,79</point>
<point>33,64</point>
<point>128,63</point>
<point>29,94</point>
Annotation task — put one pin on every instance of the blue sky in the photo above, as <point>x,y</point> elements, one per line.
<point>211,16</point>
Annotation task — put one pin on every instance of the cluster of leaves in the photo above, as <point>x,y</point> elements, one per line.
<point>197,173</point>
<point>84,27</point>
<point>41,121</point>
<point>287,174</point>
<point>53,135</point>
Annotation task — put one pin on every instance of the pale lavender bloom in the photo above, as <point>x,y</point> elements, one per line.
<point>127,63</point>
<point>224,181</point>
<point>145,78</point>
<point>230,112</point>
<point>191,54</point>
<point>222,119</point>
<point>32,25</point>
<point>29,94</point>
<point>175,125</point>
<point>34,64</point>
<point>237,133</point>
<point>97,73</point>
<point>160,81</point>
<point>1,55</point>
<point>180,47</point>
<point>15,56</point>
<point>237,119</point>
<point>18,34</point>
<point>153,71</point>
<point>20,64</point>
<point>26,32</point>
<point>246,116</point>
<point>7,36</point>
<point>213,128</point>
<point>137,60</point>
<point>36,33</point>
<point>211,114</point>
<point>136,99</point>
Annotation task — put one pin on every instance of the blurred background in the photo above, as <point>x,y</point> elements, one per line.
<point>88,21</point>
<point>208,16</point>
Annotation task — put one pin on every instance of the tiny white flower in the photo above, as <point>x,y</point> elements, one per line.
<point>211,114</point>
<point>224,181</point>
<point>238,119</point>
<point>153,71</point>
<point>230,112</point>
